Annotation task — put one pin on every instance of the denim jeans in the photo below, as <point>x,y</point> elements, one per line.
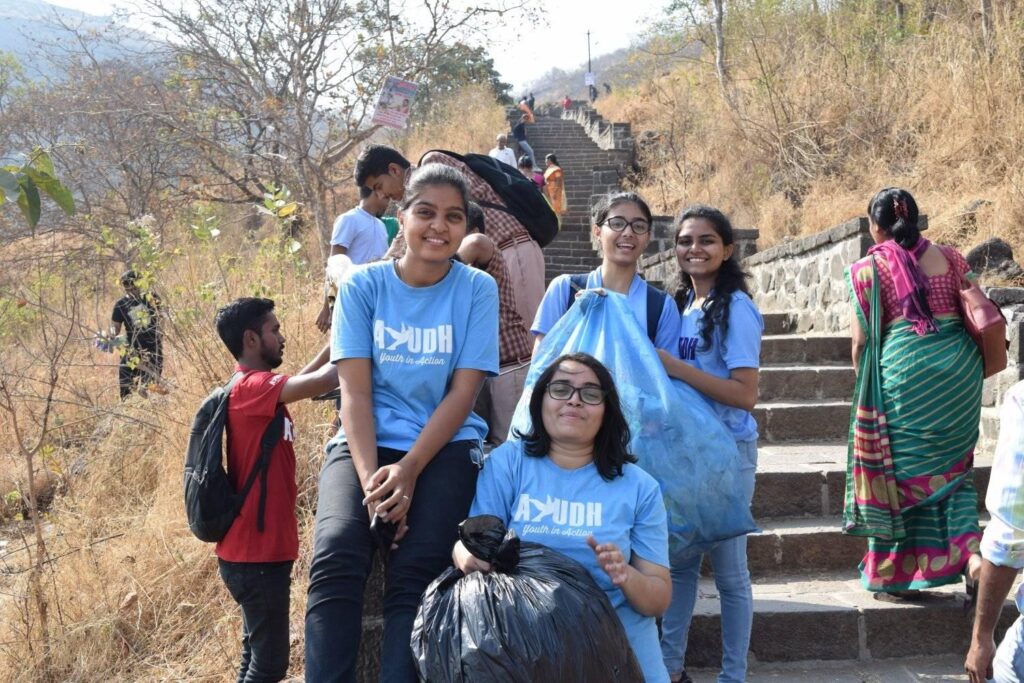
<point>732,579</point>
<point>525,148</point>
<point>343,551</point>
<point>262,590</point>
<point>1008,666</point>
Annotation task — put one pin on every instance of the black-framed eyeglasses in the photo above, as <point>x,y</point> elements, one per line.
<point>591,394</point>
<point>639,225</point>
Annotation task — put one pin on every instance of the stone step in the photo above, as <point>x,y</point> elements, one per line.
<point>804,349</point>
<point>779,323</point>
<point>809,479</point>
<point>831,617</point>
<point>802,544</point>
<point>782,382</point>
<point>802,420</point>
<point>929,669</point>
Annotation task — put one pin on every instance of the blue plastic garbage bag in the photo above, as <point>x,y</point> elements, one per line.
<point>676,435</point>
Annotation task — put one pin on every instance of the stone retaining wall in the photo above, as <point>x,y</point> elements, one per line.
<point>804,276</point>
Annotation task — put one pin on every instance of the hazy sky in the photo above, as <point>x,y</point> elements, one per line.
<point>562,43</point>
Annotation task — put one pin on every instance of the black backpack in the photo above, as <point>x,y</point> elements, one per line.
<point>211,503</point>
<point>523,199</point>
<point>655,302</point>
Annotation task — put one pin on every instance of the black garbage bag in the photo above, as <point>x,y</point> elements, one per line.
<point>537,616</point>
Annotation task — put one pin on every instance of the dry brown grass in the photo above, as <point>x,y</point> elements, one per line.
<point>827,110</point>
<point>132,596</point>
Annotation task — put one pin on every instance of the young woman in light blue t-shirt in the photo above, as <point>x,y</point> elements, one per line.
<point>571,485</point>
<point>718,355</point>
<point>622,226</point>
<point>413,340</point>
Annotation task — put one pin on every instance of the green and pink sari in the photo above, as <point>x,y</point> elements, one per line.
<point>913,428</point>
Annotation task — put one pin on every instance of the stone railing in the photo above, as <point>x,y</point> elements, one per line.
<point>607,135</point>
<point>804,277</point>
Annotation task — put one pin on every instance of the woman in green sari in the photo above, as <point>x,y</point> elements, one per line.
<point>914,424</point>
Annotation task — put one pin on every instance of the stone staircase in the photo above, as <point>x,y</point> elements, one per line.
<point>589,170</point>
<point>808,601</point>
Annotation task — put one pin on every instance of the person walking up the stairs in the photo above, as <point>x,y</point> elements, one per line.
<point>910,477</point>
<point>718,354</point>
<point>554,184</point>
<point>622,224</point>
<point>519,133</point>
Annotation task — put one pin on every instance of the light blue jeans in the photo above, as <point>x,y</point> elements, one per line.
<point>732,579</point>
<point>525,148</point>
<point>1008,665</point>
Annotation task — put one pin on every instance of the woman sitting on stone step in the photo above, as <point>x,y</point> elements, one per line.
<point>572,485</point>
<point>718,354</point>
<point>413,339</point>
<point>910,478</point>
<point>622,226</point>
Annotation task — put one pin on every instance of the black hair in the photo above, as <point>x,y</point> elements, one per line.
<point>129,278</point>
<point>364,192</point>
<point>475,218</point>
<point>432,175</point>
<point>374,161</point>
<point>525,161</point>
<point>611,443</point>
<point>247,313</point>
<point>731,277</point>
<point>552,158</point>
<point>599,213</point>
<point>895,212</point>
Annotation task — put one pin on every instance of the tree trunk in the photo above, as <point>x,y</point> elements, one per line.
<point>988,32</point>
<point>720,69</point>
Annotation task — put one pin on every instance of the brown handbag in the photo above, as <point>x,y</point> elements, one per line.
<point>986,325</point>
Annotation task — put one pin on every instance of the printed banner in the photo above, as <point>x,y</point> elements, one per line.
<point>394,102</point>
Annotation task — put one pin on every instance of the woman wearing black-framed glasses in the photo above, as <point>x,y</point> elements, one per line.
<point>622,226</point>
<point>571,484</point>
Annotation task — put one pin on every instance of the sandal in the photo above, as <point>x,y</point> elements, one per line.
<point>683,678</point>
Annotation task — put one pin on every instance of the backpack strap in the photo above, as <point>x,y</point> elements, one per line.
<point>655,305</point>
<point>577,283</point>
<point>271,435</point>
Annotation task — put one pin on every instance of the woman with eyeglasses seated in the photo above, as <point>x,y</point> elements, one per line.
<point>622,226</point>
<point>571,484</point>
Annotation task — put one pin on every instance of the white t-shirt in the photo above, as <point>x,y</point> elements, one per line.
<point>505,155</point>
<point>362,234</point>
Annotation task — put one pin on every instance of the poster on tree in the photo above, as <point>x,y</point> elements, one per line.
<point>394,102</point>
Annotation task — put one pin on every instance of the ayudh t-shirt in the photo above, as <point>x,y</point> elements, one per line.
<point>416,338</point>
<point>251,406</point>
<point>559,508</point>
<point>556,302</point>
<point>740,348</point>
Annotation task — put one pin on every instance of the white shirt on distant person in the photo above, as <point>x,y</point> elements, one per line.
<point>504,155</point>
<point>362,234</point>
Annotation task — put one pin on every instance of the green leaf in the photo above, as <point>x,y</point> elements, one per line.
<point>28,201</point>
<point>41,161</point>
<point>54,189</point>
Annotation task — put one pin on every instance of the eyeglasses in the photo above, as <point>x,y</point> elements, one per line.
<point>640,226</point>
<point>590,394</point>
